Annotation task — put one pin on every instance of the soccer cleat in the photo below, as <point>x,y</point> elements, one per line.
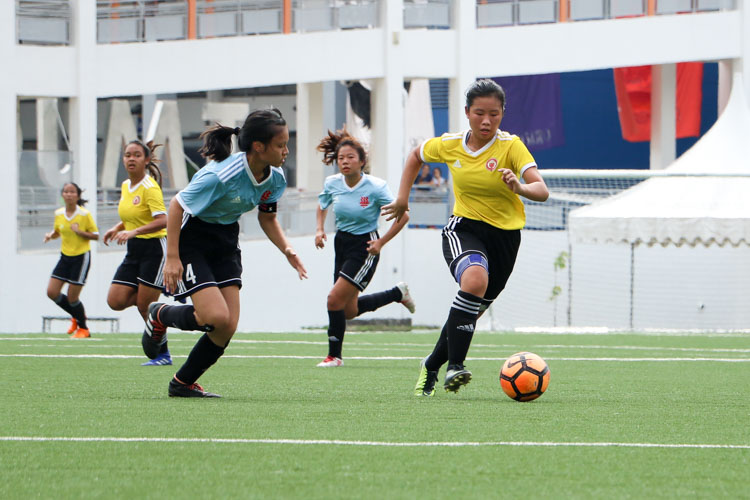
<point>155,334</point>
<point>73,326</point>
<point>455,377</point>
<point>81,333</point>
<point>330,362</point>
<point>426,382</point>
<point>406,298</point>
<point>162,359</point>
<point>180,390</point>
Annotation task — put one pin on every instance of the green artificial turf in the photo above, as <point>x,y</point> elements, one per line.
<point>622,418</point>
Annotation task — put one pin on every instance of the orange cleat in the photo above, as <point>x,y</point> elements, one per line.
<point>81,333</point>
<point>73,326</point>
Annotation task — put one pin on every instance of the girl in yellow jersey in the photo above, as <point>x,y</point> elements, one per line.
<point>481,239</point>
<point>75,225</point>
<point>143,220</point>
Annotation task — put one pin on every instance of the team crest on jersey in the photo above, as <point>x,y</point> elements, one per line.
<point>491,164</point>
<point>136,200</point>
<point>265,196</point>
<point>364,201</point>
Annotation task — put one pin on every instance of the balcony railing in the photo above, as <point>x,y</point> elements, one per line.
<point>48,22</point>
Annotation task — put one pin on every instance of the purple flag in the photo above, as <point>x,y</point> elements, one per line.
<point>532,110</point>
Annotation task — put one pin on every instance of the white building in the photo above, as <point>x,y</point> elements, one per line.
<point>385,42</point>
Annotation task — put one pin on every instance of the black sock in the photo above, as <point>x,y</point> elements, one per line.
<point>336,331</point>
<point>460,326</point>
<point>204,354</point>
<point>79,313</point>
<point>367,303</point>
<point>181,317</point>
<point>439,354</point>
<point>62,301</point>
<point>163,349</point>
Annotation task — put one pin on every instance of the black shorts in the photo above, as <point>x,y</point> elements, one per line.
<point>462,236</point>
<point>73,270</point>
<point>210,255</point>
<point>143,263</point>
<point>353,262</point>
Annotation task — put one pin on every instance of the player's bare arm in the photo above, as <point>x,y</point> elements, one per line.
<point>273,231</point>
<point>320,233</point>
<point>400,205</point>
<point>173,264</point>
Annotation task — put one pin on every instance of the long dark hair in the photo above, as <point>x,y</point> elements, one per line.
<point>148,152</point>
<point>331,143</point>
<point>261,125</point>
<point>81,202</point>
<point>485,88</point>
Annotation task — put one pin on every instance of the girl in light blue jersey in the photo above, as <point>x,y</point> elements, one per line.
<point>203,253</point>
<point>356,198</point>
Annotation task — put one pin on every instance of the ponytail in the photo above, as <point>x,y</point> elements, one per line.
<point>81,202</point>
<point>331,143</point>
<point>217,142</point>
<point>148,151</point>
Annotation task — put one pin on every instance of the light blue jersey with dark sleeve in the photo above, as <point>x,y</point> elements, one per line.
<point>221,192</point>
<point>357,208</point>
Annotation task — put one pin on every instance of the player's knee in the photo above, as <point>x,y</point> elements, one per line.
<point>53,295</point>
<point>475,262</point>
<point>114,304</point>
<point>217,320</point>
<point>334,302</point>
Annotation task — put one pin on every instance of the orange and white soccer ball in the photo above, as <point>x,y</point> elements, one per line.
<point>524,376</point>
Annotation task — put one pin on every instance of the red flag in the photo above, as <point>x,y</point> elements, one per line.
<point>633,91</point>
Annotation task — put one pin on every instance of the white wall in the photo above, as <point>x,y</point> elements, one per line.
<point>670,285</point>
<point>88,71</point>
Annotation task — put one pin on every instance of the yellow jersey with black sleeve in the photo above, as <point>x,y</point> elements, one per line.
<point>139,205</point>
<point>478,186</point>
<point>73,244</point>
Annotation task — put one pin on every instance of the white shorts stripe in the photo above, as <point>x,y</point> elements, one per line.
<point>84,267</point>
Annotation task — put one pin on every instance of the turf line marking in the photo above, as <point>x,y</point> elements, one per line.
<point>390,344</point>
<point>375,358</point>
<point>338,442</point>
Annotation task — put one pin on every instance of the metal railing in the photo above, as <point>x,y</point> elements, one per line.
<point>43,22</point>
<point>48,22</point>
<point>494,13</point>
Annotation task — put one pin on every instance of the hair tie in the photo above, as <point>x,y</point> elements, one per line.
<point>237,130</point>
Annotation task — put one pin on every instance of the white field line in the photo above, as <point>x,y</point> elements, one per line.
<point>337,442</point>
<point>358,344</point>
<point>376,358</point>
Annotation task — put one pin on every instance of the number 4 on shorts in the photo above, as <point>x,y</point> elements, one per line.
<point>189,274</point>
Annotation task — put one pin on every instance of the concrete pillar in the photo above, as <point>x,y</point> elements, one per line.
<point>310,129</point>
<point>663,115</point>
<point>464,23</point>
<point>387,100</point>
<point>725,85</point>
<point>10,142</point>
<point>47,128</point>
<point>148,104</point>
<point>83,115</point>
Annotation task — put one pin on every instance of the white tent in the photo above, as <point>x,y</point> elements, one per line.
<point>711,205</point>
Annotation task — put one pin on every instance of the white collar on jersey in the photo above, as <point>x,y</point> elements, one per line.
<point>465,144</point>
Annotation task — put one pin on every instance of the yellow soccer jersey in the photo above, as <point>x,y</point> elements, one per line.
<point>139,205</point>
<point>478,187</point>
<point>72,244</point>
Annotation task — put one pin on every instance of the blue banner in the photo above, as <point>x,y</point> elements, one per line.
<point>533,110</point>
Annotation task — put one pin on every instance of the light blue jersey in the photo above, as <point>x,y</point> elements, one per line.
<point>221,192</point>
<point>357,208</point>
